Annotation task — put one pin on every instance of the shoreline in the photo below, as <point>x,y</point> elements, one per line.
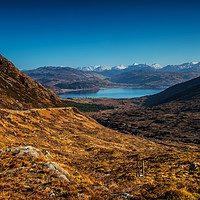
<point>104,88</point>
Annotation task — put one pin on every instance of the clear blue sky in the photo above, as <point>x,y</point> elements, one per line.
<point>106,32</point>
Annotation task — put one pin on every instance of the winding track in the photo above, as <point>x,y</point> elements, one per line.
<point>35,109</point>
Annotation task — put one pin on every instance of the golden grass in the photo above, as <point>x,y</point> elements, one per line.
<point>93,155</point>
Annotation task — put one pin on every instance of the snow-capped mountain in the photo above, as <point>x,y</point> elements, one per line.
<point>119,67</point>
<point>185,67</point>
<point>190,67</point>
<point>95,68</point>
<point>156,66</point>
<point>136,66</point>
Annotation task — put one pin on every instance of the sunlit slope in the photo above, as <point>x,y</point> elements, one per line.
<point>100,160</point>
<point>19,91</point>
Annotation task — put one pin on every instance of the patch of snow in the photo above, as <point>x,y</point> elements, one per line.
<point>194,63</point>
<point>156,66</point>
<point>120,67</point>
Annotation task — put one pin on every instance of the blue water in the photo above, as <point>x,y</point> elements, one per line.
<point>111,93</point>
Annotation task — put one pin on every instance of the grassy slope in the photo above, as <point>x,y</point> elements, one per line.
<point>94,156</point>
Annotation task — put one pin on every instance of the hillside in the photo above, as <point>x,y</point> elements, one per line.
<point>61,153</point>
<point>191,67</point>
<point>180,92</point>
<point>174,108</point>
<point>18,91</point>
<point>60,78</point>
<point>101,162</point>
<point>151,78</point>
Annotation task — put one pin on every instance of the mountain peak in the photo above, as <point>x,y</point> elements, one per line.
<point>194,63</point>
<point>96,68</point>
<point>120,67</point>
<point>156,66</point>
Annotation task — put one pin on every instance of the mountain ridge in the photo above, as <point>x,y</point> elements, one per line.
<point>62,79</point>
<point>19,91</point>
<point>58,78</point>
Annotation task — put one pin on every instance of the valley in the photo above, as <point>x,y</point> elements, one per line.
<point>100,160</point>
<point>51,150</point>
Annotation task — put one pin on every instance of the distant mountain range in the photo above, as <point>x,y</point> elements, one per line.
<point>59,79</point>
<point>186,67</point>
<point>192,67</point>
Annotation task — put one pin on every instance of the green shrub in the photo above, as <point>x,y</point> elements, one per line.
<point>85,107</point>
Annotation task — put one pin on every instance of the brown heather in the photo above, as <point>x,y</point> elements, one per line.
<point>102,161</point>
<point>94,156</point>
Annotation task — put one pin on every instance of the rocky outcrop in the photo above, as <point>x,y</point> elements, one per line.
<point>58,171</point>
<point>52,167</point>
<point>26,150</point>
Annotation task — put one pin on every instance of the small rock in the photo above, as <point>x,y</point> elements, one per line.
<point>100,188</point>
<point>9,117</point>
<point>47,154</point>
<point>193,166</point>
<point>58,170</point>
<point>25,120</point>
<point>123,196</point>
<point>52,194</point>
<point>80,195</point>
<point>15,134</point>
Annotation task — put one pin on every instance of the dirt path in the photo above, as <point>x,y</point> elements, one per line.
<point>35,109</point>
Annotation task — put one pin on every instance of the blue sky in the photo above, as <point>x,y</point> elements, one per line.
<point>99,32</point>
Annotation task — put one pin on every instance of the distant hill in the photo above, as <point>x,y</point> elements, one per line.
<point>59,78</point>
<point>180,92</point>
<point>19,91</point>
<point>191,67</point>
<point>150,78</point>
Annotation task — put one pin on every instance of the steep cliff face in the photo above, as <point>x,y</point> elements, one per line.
<point>19,91</point>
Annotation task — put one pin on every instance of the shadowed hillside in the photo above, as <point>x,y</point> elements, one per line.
<point>152,78</point>
<point>180,92</point>
<point>19,91</point>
